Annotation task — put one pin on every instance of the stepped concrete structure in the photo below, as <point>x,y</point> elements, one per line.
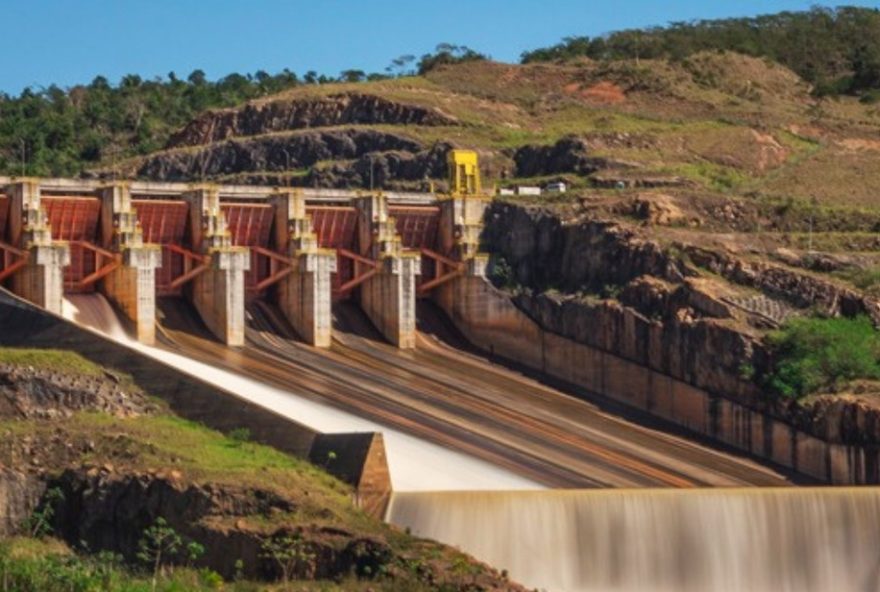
<point>218,289</point>
<point>305,293</point>
<point>222,246</point>
<point>31,257</point>
<point>131,285</point>
<point>388,293</point>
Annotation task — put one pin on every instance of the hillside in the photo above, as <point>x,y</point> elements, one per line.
<point>714,123</point>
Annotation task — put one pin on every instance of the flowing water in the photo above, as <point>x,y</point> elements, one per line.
<point>710,540</point>
<point>415,465</point>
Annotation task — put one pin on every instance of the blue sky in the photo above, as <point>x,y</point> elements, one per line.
<point>68,42</point>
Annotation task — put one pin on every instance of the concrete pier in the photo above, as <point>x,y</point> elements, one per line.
<point>41,279</point>
<point>132,285</point>
<point>218,291</point>
<point>388,297</point>
<point>461,223</point>
<point>305,294</point>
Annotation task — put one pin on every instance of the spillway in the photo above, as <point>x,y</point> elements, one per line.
<point>415,465</point>
<point>756,540</point>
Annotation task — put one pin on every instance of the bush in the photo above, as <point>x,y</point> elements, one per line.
<point>809,355</point>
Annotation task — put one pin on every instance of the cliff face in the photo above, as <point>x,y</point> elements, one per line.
<point>604,285</point>
<point>20,493</point>
<point>277,116</point>
<point>393,158</point>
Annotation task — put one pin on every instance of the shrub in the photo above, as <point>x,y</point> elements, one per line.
<point>813,354</point>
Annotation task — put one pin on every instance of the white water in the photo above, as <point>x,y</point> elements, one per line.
<point>745,540</point>
<point>415,465</point>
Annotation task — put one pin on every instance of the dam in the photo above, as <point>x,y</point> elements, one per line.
<point>371,313</point>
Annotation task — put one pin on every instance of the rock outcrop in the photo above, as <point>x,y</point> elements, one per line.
<point>111,511</point>
<point>20,493</point>
<point>393,158</point>
<point>27,392</point>
<point>571,154</point>
<point>665,315</point>
<point>286,115</point>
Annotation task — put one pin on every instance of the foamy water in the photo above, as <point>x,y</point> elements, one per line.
<point>415,465</point>
<point>714,540</point>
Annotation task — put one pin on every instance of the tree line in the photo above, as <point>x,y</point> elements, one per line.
<point>60,132</point>
<point>835,49</point>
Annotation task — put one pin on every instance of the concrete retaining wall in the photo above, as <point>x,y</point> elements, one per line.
<point>491,321</point>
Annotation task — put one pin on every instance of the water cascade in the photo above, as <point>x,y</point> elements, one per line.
<point>415,465</point>
<point>759,540</point>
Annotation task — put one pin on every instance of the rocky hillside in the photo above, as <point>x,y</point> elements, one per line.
<point>111,463</point>
<point>714,123</point>
<point>700,311</point>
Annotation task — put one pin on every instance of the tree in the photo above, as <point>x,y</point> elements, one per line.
<point>290,554</point>
<point>447,53</point>
<point>401,66</point>
<point>352,76</point>
<point>158,546</point>
<point>197,78</point>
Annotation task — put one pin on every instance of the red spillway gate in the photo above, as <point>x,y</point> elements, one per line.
<point>74,219</point>
<point>251,226</point>
<point>163,222</point>
<point>336,228</point>
<point>11,259</point>
<point>418,227</point>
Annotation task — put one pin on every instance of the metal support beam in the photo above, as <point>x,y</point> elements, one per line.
<point>359,278</point>
<point>457,269</point>
<point>10,265</point>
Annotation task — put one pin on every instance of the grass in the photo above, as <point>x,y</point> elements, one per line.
<point>31,565</point>
<point>867,279</point>
<point>167,442</point>
<point>810,355</point>
<point>49,359</point>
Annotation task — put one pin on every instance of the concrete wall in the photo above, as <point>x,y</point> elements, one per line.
<point>305,296</point>
<point>389,299</point>
<point>25,325</point>
<point>491,321</point>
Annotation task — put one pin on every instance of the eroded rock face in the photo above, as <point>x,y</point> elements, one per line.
<point>665,315</point>
<point>19,494</point>
<point>110,511</point>
<point>543,251</point>
<point>27,392</point>
<point>569,155</point>
<point>281,153</point>
<point>276,116</point>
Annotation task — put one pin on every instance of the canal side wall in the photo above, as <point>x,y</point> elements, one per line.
<point>490,320</point>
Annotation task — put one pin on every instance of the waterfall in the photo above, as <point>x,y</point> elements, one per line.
<point>710,540</point>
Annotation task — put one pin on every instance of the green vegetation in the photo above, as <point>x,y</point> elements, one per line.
<point>53,131</point>
<point>30,565</point>
<point>838,50</point>
<point>814,354</point>
<point>50,359</point>
<point>867,279</point>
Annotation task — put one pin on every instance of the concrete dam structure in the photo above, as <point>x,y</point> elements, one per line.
<point>221,247</point>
